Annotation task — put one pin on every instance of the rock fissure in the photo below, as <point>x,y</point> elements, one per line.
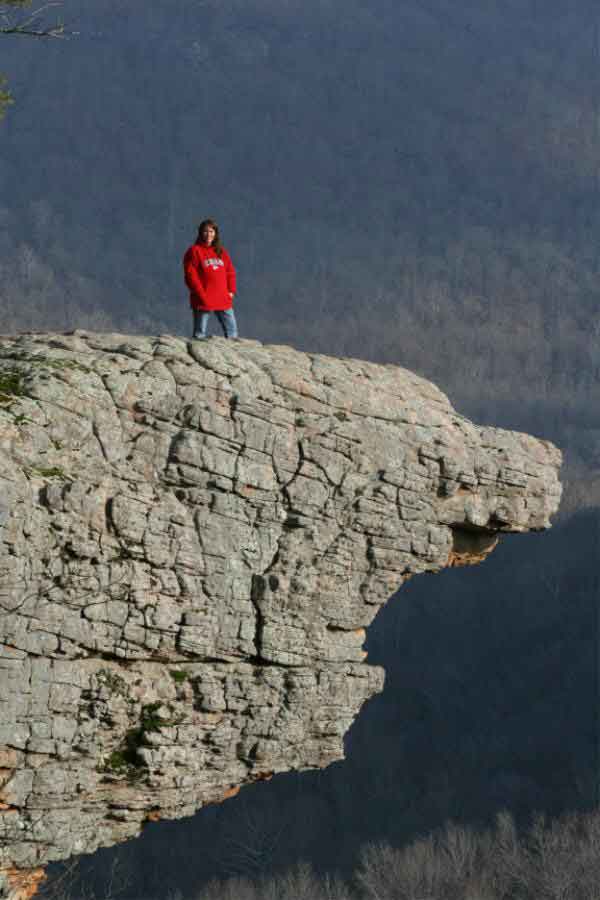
<point>193,539</point>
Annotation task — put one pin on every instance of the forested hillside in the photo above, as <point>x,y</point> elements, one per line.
<point>414,183</point>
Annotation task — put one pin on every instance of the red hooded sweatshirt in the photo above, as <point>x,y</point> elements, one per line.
<point>210,278</point>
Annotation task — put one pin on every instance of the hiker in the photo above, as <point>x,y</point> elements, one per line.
<point>210,276</point>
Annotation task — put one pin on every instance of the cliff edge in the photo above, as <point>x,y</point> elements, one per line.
<point>194,536</point>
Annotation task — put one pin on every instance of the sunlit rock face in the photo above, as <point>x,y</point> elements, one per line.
<point>194,537</point>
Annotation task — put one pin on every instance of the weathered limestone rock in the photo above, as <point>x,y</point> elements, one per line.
<point>193,539</point>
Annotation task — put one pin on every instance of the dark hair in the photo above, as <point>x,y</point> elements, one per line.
<point>216,244</point>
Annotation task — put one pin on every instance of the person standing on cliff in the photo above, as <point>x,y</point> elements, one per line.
<point>210,276</point>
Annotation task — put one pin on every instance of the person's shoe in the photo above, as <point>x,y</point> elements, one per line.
<point>199,337</point>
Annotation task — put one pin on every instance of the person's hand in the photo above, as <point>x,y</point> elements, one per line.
<point>231,295</point>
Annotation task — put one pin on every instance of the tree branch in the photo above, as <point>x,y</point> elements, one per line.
<point>31,25</point>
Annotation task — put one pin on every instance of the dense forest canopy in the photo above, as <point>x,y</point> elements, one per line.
<point>414,183</point>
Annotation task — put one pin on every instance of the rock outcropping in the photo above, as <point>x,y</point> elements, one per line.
<point>194,537</point>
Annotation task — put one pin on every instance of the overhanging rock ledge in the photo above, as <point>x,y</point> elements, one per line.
<point>194,537</point>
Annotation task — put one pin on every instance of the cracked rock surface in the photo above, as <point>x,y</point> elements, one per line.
<point>193,538</point>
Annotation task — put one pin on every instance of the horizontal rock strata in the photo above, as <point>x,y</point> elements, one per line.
<point>193,539</point>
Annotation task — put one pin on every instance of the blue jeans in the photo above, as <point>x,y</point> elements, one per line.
<point>225,316</point>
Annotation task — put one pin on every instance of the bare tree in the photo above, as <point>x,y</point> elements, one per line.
<point>71,882</point>
<point>17,19</point>
<point>33,23</point>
